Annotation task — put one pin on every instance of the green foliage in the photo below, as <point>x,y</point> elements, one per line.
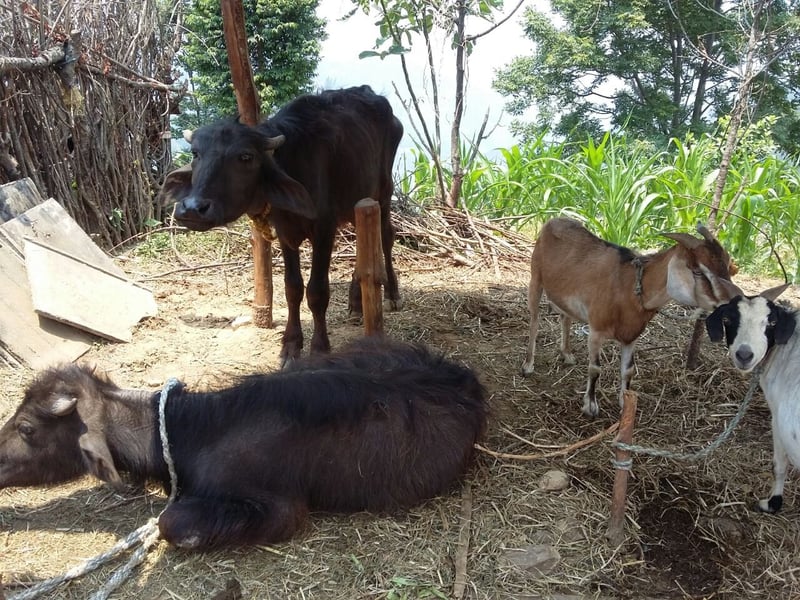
<point>637,66</point>
<point>630,192</point>
<point>284,43</point>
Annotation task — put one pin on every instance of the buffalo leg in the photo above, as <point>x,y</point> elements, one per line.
<point>202,523</point>
<point>293,284</point>
<point>319,289</point>
<point>391,291</point>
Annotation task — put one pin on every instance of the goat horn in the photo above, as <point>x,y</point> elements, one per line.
<point>702,230</point>
<point>773,293</point>
<point>187,135</point>
<point>684,239</point>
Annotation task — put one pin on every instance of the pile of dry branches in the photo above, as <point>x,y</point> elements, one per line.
<point>87,91</point>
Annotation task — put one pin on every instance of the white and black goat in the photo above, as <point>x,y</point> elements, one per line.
<point>617,292</point>
<point>758,331</point>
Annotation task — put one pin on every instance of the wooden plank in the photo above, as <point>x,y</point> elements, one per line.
<point>50,224</point>
<point>68,289</point>
<point>17,197</point>
<point>33,340</point>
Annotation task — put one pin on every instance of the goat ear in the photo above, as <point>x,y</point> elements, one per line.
<point>785,326</point>
<point>684,239</point>
<point>714,325</point>
<point>98,459</point>
<point>773,293</point>
<point>177,185</point>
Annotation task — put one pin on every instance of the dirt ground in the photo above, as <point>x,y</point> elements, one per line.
<point>690,530</point>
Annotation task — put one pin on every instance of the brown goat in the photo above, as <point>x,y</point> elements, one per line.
<point>617,291</point>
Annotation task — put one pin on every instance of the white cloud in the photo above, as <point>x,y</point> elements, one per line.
<point>341,67</point>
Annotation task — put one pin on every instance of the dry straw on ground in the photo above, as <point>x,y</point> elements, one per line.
<point>690,531</point>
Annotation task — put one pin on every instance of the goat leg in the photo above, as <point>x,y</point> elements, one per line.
<point>626,369</point>
<point>780,466</point>
<point>590,406</point>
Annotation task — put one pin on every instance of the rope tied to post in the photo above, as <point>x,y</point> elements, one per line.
<point>703,452</point>
<point>146,535</point>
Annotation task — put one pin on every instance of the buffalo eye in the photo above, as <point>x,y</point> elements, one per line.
<point>726,321</point>
<point>771,323</point>
<point>26,430</point>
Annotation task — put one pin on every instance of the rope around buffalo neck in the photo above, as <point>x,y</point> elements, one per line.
<point>162,432</point>
<point>147,534</point>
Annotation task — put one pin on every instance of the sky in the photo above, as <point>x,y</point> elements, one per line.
<point>341,67</point>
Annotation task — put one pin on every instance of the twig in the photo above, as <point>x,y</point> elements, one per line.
<point>462,550</point>
<point>572,447</point>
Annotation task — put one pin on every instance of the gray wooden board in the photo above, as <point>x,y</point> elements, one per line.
<point>17,197</point>
<point>70,290</point>
<point>50,224</point>
<point>35,340</point>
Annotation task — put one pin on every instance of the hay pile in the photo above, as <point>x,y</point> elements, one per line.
<point>690,531</point>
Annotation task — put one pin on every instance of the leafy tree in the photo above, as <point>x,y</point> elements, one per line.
<point>658,68</point>
<point>284,39</point>
<point>400,22</point>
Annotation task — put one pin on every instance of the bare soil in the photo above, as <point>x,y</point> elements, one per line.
<point>690,530</point>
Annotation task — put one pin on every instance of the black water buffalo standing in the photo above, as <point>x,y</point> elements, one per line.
<point>304,169</point>
<point>378,426</point>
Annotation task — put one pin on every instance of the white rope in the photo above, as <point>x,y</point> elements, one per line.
<point>162,431</point>
<point>147,534</point>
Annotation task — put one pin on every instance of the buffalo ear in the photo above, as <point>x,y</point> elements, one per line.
<point>177,185</point>
<point>714,325</point>
<point>98,459</point>
<point>285,193</point>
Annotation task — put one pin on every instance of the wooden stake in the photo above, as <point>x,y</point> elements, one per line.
<point>370,268</point>
<point>616,524</point>
<point>247,103</point>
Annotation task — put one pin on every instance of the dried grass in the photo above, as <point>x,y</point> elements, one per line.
<point>690,531</point>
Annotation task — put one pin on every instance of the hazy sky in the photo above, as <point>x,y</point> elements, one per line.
<point>341,67</point>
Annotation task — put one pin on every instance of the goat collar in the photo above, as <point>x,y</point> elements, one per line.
<point>638,289</point>
<point>171,384</point>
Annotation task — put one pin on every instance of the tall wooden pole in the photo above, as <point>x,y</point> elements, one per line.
<point>247,102</point>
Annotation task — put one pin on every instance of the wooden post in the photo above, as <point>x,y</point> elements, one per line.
<point>370,268</point>
<point>247,103</point>
<point>616,524</point>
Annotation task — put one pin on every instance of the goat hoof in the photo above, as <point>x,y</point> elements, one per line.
<point>591,410</point>
<point>769,505</point>
<point>527,368</point>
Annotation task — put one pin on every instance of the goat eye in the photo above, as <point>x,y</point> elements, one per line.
<point>195,154</point>
<point>726,321</point>
<point>771,323</point>
<point>245,157</point>
<point>25,429</point>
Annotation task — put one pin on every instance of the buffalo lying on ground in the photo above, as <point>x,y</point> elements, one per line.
<point>302,172</point>
<point>377,427</point>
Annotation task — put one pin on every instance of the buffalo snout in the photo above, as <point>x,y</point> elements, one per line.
<point>196,214</point>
